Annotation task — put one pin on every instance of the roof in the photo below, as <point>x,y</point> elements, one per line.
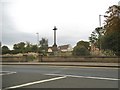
<point>64,46</point>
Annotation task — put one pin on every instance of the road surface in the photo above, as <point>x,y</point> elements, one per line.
<point>37,76</point>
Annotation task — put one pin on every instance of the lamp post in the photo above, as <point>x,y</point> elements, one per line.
<point>37,38</point>
<point>37,41</point>
<point>101,27</point>
<point>100,19</point>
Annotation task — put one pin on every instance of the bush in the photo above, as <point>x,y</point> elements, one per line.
<point>30,57</point>
<point>80,51</point>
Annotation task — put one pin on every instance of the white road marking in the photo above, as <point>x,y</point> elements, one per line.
<point>89,77</point>
<point>36,82</point>
<point>6,72</point>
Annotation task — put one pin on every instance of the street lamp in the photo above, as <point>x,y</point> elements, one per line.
<point>37,41</point>
<point>100,18</point>
<point>37,46</point>
<point>101,27</point>
<point>37,38</point>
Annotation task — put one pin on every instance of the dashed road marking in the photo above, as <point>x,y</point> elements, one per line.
<point>36,82</point>
<point>89,77</point>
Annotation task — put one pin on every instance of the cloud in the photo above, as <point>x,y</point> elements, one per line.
<point>75,19</point>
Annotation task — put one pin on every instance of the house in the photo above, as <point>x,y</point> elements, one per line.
<point>65,48</point>
<point>50,49</point>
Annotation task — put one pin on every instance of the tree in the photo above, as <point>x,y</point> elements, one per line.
<point>111,40</point>
<point>43,45</point>
<point>96,36</point>
<point>19,48</point>
<point>5,50</point>
<point>34,48</point>
<point>93,39</point>
<point>81,49</point>
<point>83,43</point>
<point>28,47</point>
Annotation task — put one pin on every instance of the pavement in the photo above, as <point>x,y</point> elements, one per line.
<point>85,64</point>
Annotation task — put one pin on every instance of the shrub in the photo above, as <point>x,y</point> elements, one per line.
<point>80,51</point>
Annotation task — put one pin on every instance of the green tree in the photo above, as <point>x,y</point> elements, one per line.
<point>34,48</point>
<point>100,32</point>
<point>111,40</point>
<point>19,48</point>
<point>43,45</point>
<point>83,43</point>
<point>5,50</point>
<point>96,37</point>
<point>93,39</point>
<point>28,47</point>
<point>81,49</point>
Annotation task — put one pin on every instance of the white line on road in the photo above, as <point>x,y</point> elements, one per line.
<point>6,72</point>
<point>36,82</point>
<point>89,77</point>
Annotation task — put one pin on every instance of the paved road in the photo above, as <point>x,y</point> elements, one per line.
<point>32,76</point>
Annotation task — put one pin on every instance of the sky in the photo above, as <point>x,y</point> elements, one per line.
<point>20,20</point>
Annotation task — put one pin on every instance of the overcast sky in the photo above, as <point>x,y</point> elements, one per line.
<point>75,19</point>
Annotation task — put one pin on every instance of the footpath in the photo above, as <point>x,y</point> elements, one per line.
<point>84,64</point>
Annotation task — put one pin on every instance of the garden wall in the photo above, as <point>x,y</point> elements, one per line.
<point>62,59</point>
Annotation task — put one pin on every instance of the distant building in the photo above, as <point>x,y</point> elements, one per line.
<point>62,48</point>
<point>50,50</point>
<point>65,48</point>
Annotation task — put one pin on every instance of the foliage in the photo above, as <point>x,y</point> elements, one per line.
<point>5,50</point>
<point>23,47</point>
<point>20,47</point>
<point>93,39</point>
<point>96,36</point>
<point>28,47</point>
<point>14,51</point>
<point>34,48</point>
<point>30,57</point>
<point>43,46</point>
<point>83,43</point>
<point>108,37</point>
<point>81,49</point>
<point>112,30</point>
<point>112,42</point>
